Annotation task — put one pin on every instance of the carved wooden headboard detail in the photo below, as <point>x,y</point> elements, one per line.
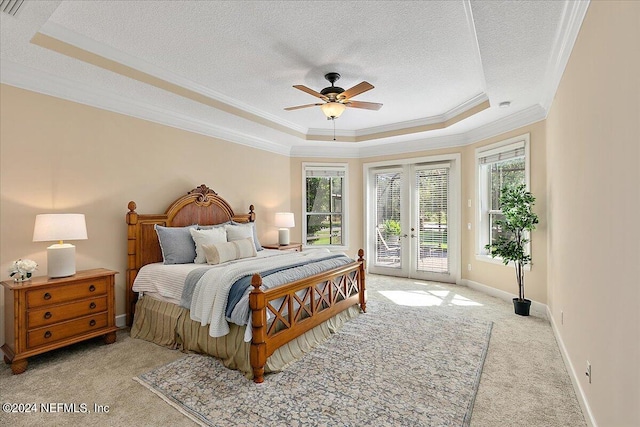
<point>200,206</point>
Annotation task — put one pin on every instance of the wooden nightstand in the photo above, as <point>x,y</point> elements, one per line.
<point>296,247</point>
<point>44,314</point>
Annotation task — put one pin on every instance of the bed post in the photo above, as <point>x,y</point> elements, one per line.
<point>131,297</point>
<point>363,301</point>
<point>258,352</point>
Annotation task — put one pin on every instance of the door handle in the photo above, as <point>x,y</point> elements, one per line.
<point>404,235</point>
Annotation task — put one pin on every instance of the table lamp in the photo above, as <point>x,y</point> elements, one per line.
<point>61,257</point>
<point>284,220</point>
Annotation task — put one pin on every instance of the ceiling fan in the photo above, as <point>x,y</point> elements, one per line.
<point>336,99</point>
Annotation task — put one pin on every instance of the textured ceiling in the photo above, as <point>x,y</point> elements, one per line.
<point>227,68</point>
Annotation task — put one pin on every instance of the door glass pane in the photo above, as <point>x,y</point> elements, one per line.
<point>388,186</point>
<point>432,186</point>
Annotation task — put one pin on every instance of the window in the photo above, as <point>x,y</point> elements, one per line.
<point>497,165</point>
<point>324,204</point>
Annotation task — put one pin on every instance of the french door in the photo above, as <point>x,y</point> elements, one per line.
<point>411,229</point>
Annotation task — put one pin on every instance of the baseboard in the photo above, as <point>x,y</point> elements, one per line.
<point>582,399</point>
<point>537,308</point>
<point>121,321</point>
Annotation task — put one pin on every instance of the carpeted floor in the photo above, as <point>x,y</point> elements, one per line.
<point>398,365</point>
<point>524,381</point>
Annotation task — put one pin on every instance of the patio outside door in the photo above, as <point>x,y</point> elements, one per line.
<point>410,226</point>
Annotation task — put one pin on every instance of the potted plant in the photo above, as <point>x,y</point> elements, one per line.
<point>516,204</point>
<point>392,231</point>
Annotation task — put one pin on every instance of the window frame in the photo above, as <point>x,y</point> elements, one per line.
<point>483,193</point>
<point>344,167</point>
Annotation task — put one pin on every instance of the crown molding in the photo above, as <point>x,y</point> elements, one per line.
<point>59,38</point>
<point>514,121</point>
<point>23,77</point>
<point>34,80</point>
<point>521,118</point>
<point>63,34</point>
<point>468,108</point>
<point>572,18</point>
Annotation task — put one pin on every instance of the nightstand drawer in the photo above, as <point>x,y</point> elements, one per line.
<point>60,313</point>
<point>64,293</point>
<point>60,331</point>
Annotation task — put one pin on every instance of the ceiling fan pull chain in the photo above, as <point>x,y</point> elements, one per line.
<point>334,128</point>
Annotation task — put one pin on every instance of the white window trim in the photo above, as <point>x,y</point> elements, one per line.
<point>498,147</point>
<point>345,204</point>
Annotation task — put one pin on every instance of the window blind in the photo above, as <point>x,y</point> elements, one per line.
<point>502,153</point>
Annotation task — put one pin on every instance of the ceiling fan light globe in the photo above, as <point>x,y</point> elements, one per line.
<point>333,110</point>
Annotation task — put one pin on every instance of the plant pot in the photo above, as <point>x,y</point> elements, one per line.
<point>521,307</point>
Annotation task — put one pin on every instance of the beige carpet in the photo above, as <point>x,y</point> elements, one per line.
<point>94,373</point>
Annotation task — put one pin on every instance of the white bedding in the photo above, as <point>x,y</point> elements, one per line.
<point>212,290</point>
<point>167,281</point>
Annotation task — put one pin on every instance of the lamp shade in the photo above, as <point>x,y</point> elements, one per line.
<point>333,110</point>
<point>285,220</point>
<point>61,257</point>
<point>52,227</point>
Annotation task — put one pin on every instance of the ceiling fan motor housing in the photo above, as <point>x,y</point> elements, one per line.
<point>335,90</point>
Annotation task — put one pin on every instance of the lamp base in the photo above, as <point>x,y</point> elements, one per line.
<point>61,260</point>
<point>283,236</point>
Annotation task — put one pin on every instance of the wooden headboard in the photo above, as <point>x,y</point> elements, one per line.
<point>200,206</point>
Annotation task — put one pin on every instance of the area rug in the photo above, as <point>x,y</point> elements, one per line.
<point>393,366</point>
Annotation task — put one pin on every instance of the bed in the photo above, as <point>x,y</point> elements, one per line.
<point>284,321</point>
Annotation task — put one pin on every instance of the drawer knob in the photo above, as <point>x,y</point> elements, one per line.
<point>92,288</point>
<point>47,296</point>
<point>48,315</point>
<point>92,323</point>
<point>47,334</point>
<point>92,305</point>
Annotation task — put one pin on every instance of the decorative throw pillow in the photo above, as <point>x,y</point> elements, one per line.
<point>251,225</point>
<point>176,244</point>
<point>229,251</point>
<point>206,237</point>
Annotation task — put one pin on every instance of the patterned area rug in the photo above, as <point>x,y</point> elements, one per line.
<point>393,366</point>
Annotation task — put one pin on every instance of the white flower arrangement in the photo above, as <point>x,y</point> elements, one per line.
<point>22,269</point>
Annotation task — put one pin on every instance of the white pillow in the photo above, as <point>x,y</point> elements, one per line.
<point>251,225</point>
<point>237,232</point>
<point>206,237</point>
<point>228,251</point>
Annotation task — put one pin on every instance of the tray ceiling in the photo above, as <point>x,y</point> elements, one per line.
<point>226,69</point>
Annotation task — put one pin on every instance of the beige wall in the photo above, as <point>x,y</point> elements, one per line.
<point>59,156</point>
<point>593,162</point>
<point>496,276</point>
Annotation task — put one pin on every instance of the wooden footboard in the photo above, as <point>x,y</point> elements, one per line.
<point>300,306</point>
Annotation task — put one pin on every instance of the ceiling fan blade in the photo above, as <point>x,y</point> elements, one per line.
<point>301,106</point>
<point>365,105</point>
<point>310,92</point>
<point>356,90</point>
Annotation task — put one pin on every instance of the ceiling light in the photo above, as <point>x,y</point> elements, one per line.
<point>504,104</point>
<point>332,109</point>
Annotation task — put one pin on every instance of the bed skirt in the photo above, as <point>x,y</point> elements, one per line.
<point>169,325</point>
